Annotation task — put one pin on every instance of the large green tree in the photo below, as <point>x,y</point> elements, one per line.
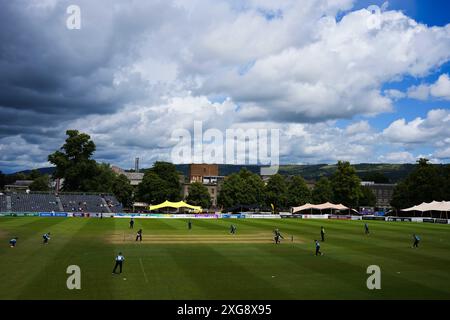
<point>277,192</point>
<point>73,161</point>
<point>123,190</point>
<point>298,192</point>
<point>243,188</point>
<point>2,180</point>
<point>425,184</point>
<point>368,198</point>
<point>160,183</point>
<point>323,191</point>
<point>102,179</point>
<point>254,189</point>
<point>346,185</point>
<point>34,174</point>
<point>198,195</point>
<point>446,187</point>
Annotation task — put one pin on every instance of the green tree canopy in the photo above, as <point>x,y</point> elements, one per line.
<point>198,195</point>
<point>102,180</point>
<point>243,188</point>
<point>41,183</point>
<point>368,198</point>
<point>73,161</point>
<point>34,174</point>
<point>123,190</point>
<point>323,191</point>
<point>160,183</point>
<point>346,185</point>
<point>2,180</point>
<point>425,184</point>
<point>276,192</point>
<point>298,192</point>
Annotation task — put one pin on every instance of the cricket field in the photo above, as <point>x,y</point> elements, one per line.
<point>208,262</point>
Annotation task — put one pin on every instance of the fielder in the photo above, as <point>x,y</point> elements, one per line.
<point>131,223</point>
<point>46,238</point>
<point>318,253</point>
<point>416,239</point>
<point>12,242</point>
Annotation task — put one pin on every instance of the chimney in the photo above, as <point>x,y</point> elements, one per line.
<point>136,165</point>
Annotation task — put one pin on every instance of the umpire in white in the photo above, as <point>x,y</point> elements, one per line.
<point>119,262</point>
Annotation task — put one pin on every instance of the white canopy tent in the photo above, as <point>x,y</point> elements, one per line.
<point>431,206</point>
<point>435,206</point>
<point>323,206</point>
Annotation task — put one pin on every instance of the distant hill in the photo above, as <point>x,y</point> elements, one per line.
<point>48,170</point>
<point>224,169</point>
<point>366,171</point>
<point>392,172</point>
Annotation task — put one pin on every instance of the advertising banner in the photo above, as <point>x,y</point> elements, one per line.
<point>367,211</point>
<point>50,214</point>
<point>206,216</point>
<point>61,214</point>
<point>263,216</point>
<point>238,216</point>
<point>315,216</point>
<point>32,214</point>
<point>78,214</point>
<point>398,219</point>
<point>373,218</point>
<point>337,217</point>
<point>45,214</point>
<point>19,214</point>
<point>291,216</point>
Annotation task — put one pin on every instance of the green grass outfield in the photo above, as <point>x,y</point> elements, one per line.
<point>209,263</point>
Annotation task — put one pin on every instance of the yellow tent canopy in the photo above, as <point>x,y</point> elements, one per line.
<point>177,205</point>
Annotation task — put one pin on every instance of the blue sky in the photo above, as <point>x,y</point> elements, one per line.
<point>431,13</point>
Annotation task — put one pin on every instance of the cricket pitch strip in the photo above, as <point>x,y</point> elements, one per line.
<point>197,239</point>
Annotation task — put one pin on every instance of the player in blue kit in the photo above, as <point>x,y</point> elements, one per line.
<point>318,253</point>
<point>46,238</point>
<point>12,242</point>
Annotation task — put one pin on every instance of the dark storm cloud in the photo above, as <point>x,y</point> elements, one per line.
<point>49,74</point>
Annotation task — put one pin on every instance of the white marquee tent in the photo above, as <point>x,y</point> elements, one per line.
<point>443,206</point>
<point>323,206</point>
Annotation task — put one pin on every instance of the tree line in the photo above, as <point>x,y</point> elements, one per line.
<point>73,162</point>
<point>426,183</point>
<point>281,192</point>
<point>81,173</point>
